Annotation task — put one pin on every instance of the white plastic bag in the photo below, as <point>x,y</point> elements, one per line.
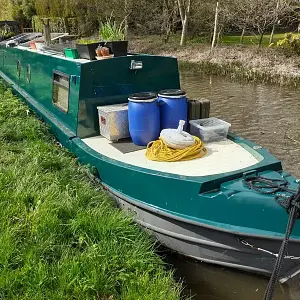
<point>177,138</point>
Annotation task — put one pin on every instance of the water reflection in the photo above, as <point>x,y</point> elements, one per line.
<point>266,114</point>
<point>209,282</point>
<point>270,116</point>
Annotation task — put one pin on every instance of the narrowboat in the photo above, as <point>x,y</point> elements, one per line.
<point>200,208</point>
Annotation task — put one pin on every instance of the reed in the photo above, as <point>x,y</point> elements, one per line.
<point>236,71</point>
<point>62,237</point>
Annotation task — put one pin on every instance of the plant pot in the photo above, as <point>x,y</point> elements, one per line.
<point>117,48</point>
<point>32,45</point>
<point>88,51</point>
<point>98,52</point>
<point>104,51</point>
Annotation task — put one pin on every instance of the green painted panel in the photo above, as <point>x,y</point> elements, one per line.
<point>40,85</point>
<point>111,81</point>
<point>231,207</point>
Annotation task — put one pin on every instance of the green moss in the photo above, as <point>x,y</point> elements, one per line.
<point>62,237</point>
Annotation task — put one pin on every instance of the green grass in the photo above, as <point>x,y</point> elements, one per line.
<point>228,39</point>
<point>61,236</point>
<point>251,39</point>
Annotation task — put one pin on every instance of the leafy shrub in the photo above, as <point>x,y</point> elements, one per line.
<point>6,34</point>
<point>290,44</point>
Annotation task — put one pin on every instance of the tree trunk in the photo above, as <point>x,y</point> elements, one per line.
<point>218,36</point>
<point>167,33</point>
<point>184,11</point>
<point>243,34</point>
<point>183,33</point>
<point>166,22</point>
<point>272,35</point>
<point>213,43</point>
<point>275,21</point>
<point>66,25</point>
<point>47,31</point>
<point>260,39</point>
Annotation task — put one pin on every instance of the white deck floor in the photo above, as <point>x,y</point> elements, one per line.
<point>221,157</point>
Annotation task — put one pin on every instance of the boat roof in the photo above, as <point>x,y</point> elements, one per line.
<point>222,157</point>
<point>53,53</point>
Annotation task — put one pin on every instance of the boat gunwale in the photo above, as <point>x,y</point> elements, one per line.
<point>269,162</point>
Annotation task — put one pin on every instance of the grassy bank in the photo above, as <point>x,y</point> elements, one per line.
<point>61,236</point>
<point>251,39</point>
<point>239,62</point>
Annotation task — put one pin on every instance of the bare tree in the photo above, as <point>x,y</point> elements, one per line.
<point>275,22</point>
<point>213,43</point>
<point>261,15</point>
<point>225,14</point>
<point>169,18</point>
<point>184,11</point>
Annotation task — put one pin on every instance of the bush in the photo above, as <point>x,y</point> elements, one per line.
<point>6,32</point>
<point>290,44</point>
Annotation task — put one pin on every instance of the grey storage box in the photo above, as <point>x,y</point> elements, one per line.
<point>113,121</point>
<point>210,129</point>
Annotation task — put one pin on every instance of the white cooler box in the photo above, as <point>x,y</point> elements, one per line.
<point>113,121</point>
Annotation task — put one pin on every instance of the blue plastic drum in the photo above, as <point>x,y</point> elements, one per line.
<point>143,118</point>
<point>173,108</point>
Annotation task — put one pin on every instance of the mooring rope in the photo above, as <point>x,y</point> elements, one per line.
<point>244,242</point>
<point>294,213</point>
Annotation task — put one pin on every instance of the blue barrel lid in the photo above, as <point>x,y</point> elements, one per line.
<point>143,97</point>
<point>172,93</point>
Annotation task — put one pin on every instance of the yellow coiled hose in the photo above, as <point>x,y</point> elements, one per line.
<point>160,151</point>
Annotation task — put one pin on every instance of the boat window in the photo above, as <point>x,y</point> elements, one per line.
<point>61,86</point>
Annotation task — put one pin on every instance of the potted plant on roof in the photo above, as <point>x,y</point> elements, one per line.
<point>114,37</point>
<point>86,48</point>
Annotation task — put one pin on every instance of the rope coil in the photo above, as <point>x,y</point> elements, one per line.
<point>160,151</point>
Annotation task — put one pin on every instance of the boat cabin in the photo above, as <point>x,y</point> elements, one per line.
<point>71,89</point>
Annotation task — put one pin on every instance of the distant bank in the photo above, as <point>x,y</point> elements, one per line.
<point>239,62</point>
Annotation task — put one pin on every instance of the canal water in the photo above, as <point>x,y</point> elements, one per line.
<point>269,115</point>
